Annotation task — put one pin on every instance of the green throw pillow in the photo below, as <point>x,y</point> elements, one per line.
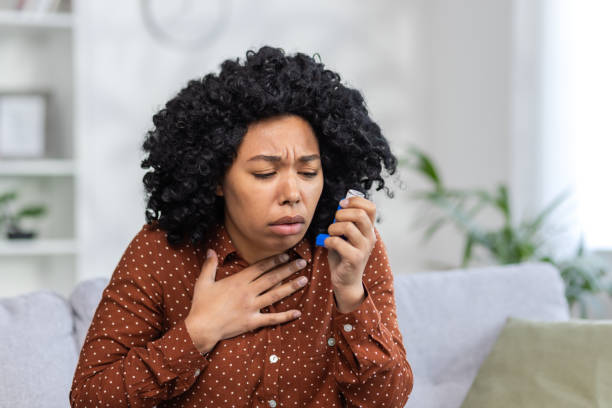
<point>546,364</point>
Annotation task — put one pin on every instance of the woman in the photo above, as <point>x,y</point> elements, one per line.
<point>248,167</point>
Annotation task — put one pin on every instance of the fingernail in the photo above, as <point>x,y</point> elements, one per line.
<point>284,257</point>
<point>300,263</point>
<point>302,281</point>
<point>209,253</point>
<point>296,314</point>
<point>344,202</point>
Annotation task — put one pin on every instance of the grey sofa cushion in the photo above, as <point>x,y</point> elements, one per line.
<point>37,350</point>
<point>84,300</point>
<point>450,320</point>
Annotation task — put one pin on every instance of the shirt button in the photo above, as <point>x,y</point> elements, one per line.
<point>197,372</point>
<point>273,358</point>
<point>348,327</point>
<point>272,403</point>
<point>331,341</point>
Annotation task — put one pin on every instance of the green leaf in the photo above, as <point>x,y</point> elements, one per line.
<point>467,251</point>
<point>501,201</point>
<point>31,211</point>
<point>484,196</point>
<point>532,227</point>
<point>6,197</point>
<point>475,210</point>
<point>426,167</point>
<point>433,228</point>
<point>583,308</point>
<point>580,251</point>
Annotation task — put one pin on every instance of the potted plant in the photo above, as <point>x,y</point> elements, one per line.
<point>511,242</point>
<point>13,219</point>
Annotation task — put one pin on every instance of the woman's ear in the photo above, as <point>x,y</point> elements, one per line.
<point>219,190</point>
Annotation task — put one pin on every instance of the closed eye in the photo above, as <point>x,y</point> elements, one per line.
<point>268,175</point>
<point>263,176</point>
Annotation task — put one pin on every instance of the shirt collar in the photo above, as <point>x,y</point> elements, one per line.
<point>221,243</point>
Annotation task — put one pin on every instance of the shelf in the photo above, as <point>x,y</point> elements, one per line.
<point>38,56</point>
<point>37,167</point>
<point>15,18</point>
<point>38,247</point>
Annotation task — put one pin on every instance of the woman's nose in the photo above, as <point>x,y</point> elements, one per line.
<point>289,192</point>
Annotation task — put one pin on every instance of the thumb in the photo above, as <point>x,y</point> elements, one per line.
<point>209,267</point>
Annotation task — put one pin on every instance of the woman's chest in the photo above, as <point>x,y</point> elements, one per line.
<point>304,338</point>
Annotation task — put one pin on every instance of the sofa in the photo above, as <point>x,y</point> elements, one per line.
<point>449,321</point>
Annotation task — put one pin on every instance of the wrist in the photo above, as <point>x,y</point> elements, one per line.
<point>202,343</point>
<point>349,299</point>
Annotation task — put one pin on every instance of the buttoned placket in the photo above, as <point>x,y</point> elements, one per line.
<point>268,390</point>
<point>274,359</point>
<point>272,363</point>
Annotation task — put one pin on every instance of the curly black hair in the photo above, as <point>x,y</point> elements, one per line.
<point>197,134</point>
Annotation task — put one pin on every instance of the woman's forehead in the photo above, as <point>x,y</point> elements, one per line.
<point>286,136</point>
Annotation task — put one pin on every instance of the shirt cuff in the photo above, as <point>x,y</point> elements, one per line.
<point>359,323</point>
<point>180,353</point>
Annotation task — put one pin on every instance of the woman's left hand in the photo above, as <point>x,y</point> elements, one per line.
<point>348,259</point>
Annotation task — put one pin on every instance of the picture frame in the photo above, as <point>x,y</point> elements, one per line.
<point>23,117</point>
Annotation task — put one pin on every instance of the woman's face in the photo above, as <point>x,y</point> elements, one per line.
<point>277,173</point>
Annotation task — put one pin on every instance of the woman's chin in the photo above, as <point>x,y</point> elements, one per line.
<point>283,241</point>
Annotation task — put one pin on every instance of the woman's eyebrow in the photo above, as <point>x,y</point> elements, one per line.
<point>275,159</point>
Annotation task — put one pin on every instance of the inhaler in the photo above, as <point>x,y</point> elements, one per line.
<point>321,237</point>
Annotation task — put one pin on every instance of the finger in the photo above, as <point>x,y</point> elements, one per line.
<point>360,218</point>
<point>359,202</point>
<point>209,267</point>
<point>350,231</point>
<point>263,266</point>
<point>346,250</point>
<point>273,277</point>
<point>280,293</point>
<point>271,319</point>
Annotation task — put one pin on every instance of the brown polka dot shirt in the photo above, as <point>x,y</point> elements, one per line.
<point>138,353</point>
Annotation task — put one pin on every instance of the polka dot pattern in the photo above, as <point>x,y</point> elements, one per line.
<point>138,352</point>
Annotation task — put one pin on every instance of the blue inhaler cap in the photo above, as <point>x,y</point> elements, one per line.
<point>321,239</point>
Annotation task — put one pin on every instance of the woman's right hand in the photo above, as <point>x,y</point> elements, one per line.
<point>231,306</point>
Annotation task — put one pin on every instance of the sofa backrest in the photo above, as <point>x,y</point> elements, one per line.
<point>450,320</point>
<point>84,300</point>
<point>38,355</point>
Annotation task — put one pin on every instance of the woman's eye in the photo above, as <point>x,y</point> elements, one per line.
<point>268,175</point>
<point>263,176</point>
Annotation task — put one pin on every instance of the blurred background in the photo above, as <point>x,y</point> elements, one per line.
<point>496,109</point>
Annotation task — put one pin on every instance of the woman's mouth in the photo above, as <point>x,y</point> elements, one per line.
<point>287,229</point>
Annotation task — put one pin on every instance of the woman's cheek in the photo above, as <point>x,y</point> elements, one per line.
<point>313,193</point>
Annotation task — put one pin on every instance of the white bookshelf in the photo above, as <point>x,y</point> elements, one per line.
<point>37,247</point>
<point>37,54</point>
<point>12,19</point>
<point>37,168</point>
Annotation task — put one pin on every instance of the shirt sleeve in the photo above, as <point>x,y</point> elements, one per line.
<point>127,360</point>
<point>370,365</point>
